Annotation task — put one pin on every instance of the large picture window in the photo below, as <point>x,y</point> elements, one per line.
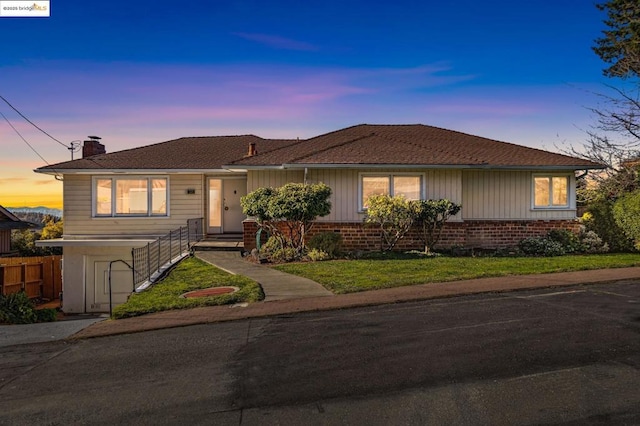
<point>139,196</point>
<point>411,186</point>
<point>550,191</point>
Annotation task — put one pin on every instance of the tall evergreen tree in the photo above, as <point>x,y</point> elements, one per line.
<point>620,44</point>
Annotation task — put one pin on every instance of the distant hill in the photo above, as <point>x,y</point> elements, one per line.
<point>42,210</point>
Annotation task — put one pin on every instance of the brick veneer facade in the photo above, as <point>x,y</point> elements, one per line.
<point>482,234</point>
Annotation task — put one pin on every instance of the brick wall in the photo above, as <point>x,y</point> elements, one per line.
<point>470,234</point>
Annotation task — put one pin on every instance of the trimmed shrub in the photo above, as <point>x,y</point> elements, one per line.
<point>569,241</point>
<point>559,242</point>
<point>316,255</point>
<point>599,219</point>
<point>328,242</point>
<point>286,254</point>
<point>626,212</point>
<point>392,215</point>
<point>541,246</point>
<point>17,308</point>
<point>592,243</point>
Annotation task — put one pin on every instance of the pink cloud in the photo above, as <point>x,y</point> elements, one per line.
<point>277,42</point>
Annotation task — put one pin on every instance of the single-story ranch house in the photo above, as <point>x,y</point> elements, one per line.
<point>116,201</point>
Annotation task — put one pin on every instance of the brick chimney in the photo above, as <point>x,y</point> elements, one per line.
<point>92,147</point>
<point>252,150</point>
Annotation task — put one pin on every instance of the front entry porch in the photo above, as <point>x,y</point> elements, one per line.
<point>220,242</point>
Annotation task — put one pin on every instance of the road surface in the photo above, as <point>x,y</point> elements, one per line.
<point>547,356</point>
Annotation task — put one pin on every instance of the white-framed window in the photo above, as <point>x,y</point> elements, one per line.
<point>551,191</point>
<point>132,196</point>
<point>411,185</point>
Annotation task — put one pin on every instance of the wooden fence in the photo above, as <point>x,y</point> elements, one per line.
<point>39,277</point>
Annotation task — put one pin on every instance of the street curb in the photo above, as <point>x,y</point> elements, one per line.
<point>213,314</point>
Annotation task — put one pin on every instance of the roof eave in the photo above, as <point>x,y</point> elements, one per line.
<point>439,166</point>
<point>128,171</point>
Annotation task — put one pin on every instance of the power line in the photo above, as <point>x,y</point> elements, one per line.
<point>32,123</point>
<point>23,139</point>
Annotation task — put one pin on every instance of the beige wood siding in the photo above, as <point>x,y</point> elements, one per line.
<point>272,178</point>
<point>345,185</point>
<point>504,195</point>
<point>78,218</point>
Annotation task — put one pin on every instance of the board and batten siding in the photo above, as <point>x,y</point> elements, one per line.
<point>78,220</point>
<point>344,184</point>
<point>272,178</point>
<point>507,195</point>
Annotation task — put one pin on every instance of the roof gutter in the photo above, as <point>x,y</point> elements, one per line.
<point>435,166</point>
<point>107,171</point>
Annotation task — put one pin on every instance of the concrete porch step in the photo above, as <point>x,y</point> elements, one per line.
<point>220,242</point>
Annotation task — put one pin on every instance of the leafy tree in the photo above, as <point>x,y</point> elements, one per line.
<point>297,205</point>
<point>430,216</point>
<point>292,207</point>
<point>53,228</point>
<point>393,215</point>
<point>616,135</point>
<point>24,240</point>
<point>620,44</point>
<point>626,212</point>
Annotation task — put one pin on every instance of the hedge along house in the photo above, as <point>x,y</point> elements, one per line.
<point>116,201</point>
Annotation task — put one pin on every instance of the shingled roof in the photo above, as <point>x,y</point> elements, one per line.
<point>414,144</point>
<point>190,153</point>
<point>361,145</point>
<point>10,221</point>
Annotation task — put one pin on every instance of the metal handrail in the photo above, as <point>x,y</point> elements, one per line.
<point>151,259</point>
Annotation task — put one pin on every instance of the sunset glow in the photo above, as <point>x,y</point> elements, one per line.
<point>283,70</point>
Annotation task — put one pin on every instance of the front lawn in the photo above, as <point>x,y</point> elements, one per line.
<point>191,274</point>
<point>350,276</point>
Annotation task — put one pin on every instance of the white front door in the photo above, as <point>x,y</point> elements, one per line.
<point>215,206</point>
<point>224,210</point>
<point>232,210</point>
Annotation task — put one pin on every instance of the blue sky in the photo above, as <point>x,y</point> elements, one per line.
<point>136,73</point>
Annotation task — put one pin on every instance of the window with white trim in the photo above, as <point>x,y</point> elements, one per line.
<point>550,191</point>
<point>130,196</point>
<point>409,185</point>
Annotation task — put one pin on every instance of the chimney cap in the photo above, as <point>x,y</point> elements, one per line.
<point>95,138</point>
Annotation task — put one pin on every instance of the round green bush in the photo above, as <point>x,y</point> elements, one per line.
<point>328,242</point>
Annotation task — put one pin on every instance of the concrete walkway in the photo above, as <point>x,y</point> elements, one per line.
<point>20,334</point>
<point>275,284</point>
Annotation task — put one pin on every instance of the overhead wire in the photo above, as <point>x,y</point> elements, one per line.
<point>31,122</point>
<point>23,139</point>
<point>70,147</point>
<point>29,145</point>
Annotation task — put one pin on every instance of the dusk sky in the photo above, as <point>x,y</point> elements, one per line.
<point>136,73</point>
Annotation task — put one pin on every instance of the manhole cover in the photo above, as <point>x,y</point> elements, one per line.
<point>212,291</point>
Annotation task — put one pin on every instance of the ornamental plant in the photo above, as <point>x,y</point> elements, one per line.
<point>392,215</point>
<point>288,212</point>
<point>626,212</point>
<point>430,217</point>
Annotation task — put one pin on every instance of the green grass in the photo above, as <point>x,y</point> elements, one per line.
<point>349,276</point>
<point>191,274</point>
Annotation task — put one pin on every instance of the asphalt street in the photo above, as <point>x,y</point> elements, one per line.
<point>567,356</point>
